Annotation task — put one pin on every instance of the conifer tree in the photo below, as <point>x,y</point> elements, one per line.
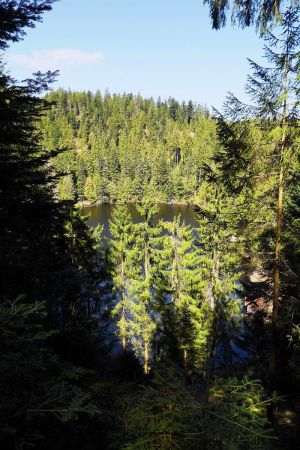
<point>220,248</point>
<point>181,288</point>
<point>261,14</point>
<point>163,414</point>
<point>125,153</point>
<point>125,256</point>
<point>90,189</point>
<point>65,188</point>
<point>144,316</point>
<point>45,251</point>
<point>17,15</point>
<point>274,91</point>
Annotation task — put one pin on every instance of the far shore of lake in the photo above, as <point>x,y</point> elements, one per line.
<point>87,204</point>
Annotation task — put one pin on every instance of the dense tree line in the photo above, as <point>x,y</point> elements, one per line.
<point>120,147</point>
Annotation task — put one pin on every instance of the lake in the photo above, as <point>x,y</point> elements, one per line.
<point>101,214</point>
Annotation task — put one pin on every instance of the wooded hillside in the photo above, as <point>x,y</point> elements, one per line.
<point>119,147</point>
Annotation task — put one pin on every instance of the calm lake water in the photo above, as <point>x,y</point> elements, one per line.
<point>101,214</point>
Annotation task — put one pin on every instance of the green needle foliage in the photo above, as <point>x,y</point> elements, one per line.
<point>274,93</point>
<point>145,320</point>
<point>236,415</point>
<point>131,250</point>
<point>163,415</point>
<point>123,148</point>
<point>47,265</point>
<point>221,249</point>
<point>38,392</point>
<point>171,413</point>
<point>263,14</point>
<point>16,15</point>
<point>169,291</point>
<point>126,260</point>
<point>181,287</point>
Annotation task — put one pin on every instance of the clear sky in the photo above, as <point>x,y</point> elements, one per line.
<point>152,47</point>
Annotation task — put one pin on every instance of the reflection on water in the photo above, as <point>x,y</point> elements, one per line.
<point>101,214</point>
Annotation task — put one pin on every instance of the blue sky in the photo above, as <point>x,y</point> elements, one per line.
<point>152,47</point>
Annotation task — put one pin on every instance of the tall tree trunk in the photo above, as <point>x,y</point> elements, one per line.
<point>123,343</point>
<point>146,358</point>
<point>279,221</point>
<point>276,293</point>
<point>185,357</point>
<point>123,316</point>
<point>146,278</point>
<point>276,282</point>
<point>146,261</point>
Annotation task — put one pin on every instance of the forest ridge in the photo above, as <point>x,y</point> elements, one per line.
<point>120,147</point>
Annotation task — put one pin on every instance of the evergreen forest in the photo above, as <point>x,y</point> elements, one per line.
<point>158,335</point>
<point>121,148</point>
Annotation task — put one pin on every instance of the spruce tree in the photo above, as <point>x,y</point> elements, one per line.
<point>261,14</point>
<point>45,251</point>
<point>127,153</point>
<point>180,287</point>
<point>65,188</point>
<point>17,15</point>
<point>90,189</point>
<point>220,247</point>
<point>144,316</point>
<point>274,92</point>
<point>126,263</point>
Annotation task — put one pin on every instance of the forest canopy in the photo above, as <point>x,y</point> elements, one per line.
<point>121,147</point>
